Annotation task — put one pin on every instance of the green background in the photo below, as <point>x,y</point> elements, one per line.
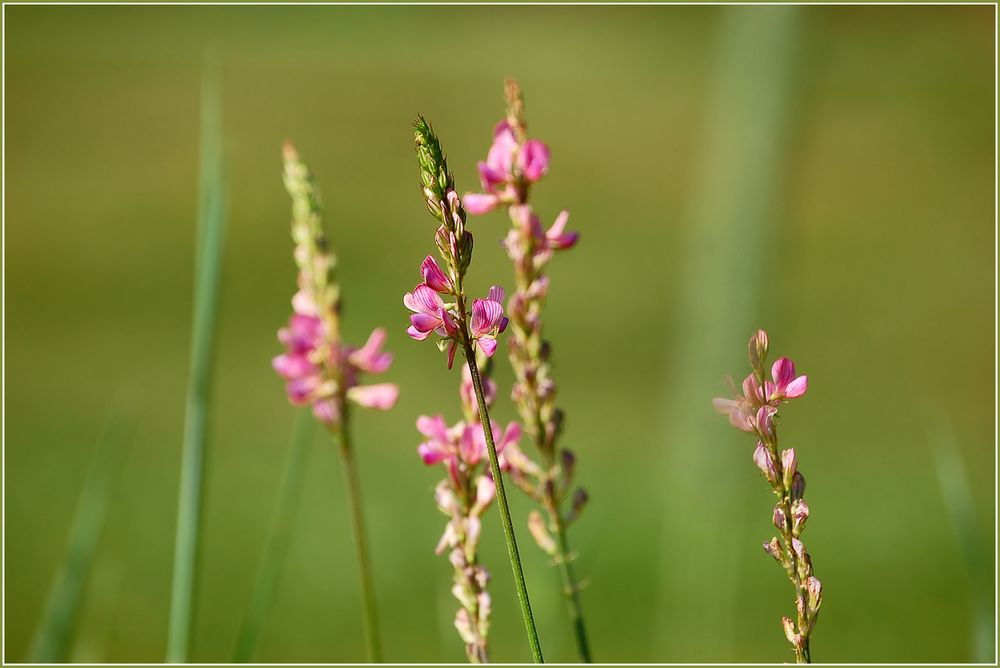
<point>823,172</point>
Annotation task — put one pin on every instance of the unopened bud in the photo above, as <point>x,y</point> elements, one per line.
<point>790,633</point>
<point>580,499</point>
<point>765,462</point>
<point>568,461</point>
<point>536,525</point>
<point>464,627</point>
<point>780,520</point>
<point>815,589</point>
<point>774,549</point>
<point>800,513</point>
<point>798,488</point>
<point>758,350</point>
<point>789,466</point>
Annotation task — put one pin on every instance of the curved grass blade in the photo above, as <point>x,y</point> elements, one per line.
<point>208,268</point>
<point>54,634</point>
<point>278,537</point>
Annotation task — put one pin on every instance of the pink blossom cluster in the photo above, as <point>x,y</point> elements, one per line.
<point>323,373</point>
<point>320,370</point>
<point>754,412</point>
<point>463,496</point>
<point>432,315</point>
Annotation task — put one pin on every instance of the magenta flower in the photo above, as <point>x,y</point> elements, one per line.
<point>786,384</point>
<point>507,169</point>
<point>488,320</point>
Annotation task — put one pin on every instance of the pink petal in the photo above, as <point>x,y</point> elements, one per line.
<point>434,277</point>
<point>797,387</point>
<point>370,358</point>
<point>512,434</point>
<point>724,406</point>
<point>558,238</point>
<point>326,411</point>
<point>293,365</point>
<point>431,453</point>
<point>416,334</point>
<point>433,427</point>
<point>479,203</point>
<point>488,345</point>
<point>448,322</point>
<point>381,396</point>
<point>425,323</point>
<point>496,294</point>
<point>489,177</point>
<point>783,371</point>
<point>534,159</point>
<point>299,389</point>
<point>422,300</point>
<point>486,315</point>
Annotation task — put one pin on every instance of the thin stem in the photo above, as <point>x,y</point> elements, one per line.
<point>360,539</point>
<point>571,589</point>
<point>508,526</point>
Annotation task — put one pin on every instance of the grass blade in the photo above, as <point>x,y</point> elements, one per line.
<point>957,494</point>
<point>208,266</point>
<point>55,631</point>
<point>278,537</point>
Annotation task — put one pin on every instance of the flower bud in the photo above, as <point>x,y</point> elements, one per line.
<point>463,625</point>
<point>758,350</point>
<point>774,549</point>
<point>780,520</point>
<point>800,513</point>
<point>798,488</point>
<point>789,465</point>
<point>536,525</point>
<point>580,498</point>
<point>790,633</point>
<point>765,462</point>
<point>815,590</point>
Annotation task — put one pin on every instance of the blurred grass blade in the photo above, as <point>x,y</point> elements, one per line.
<point>55,631</point>
<point>726,237</point>
<point>958,499</point>
<point>208,266</point>
<point>278,537</point>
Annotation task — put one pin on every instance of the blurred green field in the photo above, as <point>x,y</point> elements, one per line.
<point>876,277</point>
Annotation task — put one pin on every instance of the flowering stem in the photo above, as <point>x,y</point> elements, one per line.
<point>508,526</point>
<point>353,483</point>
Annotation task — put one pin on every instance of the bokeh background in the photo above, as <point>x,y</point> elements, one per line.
<point>824,172</point>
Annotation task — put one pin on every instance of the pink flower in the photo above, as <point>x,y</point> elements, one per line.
<point>428,313</point>
<point>434,277</point>
<point>501,169</point>
<point>371,358</point>
<point>786,384</point>
<point>381,396</point>
<point>438,445</point>
<point>488,320</point>
<point>557,237</point>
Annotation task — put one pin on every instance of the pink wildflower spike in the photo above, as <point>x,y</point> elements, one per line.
<point>437,447</point>
<point>426,306</point>
<point>371,358</point>
<point>381,396</point>
<point>557,237</point>
<point>434,276</point>
<point>786,384</point>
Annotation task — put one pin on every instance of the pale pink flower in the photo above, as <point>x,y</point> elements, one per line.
<point>786,384</point>
<point>370,357</point>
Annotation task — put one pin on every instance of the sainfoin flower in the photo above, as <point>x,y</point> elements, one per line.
<point>509,167</point>
<point>432,315</point>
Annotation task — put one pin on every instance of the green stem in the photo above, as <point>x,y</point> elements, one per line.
<point>353,483</point>
<point>508,526</point>
<point>278,537</point>
<point>571,589</point>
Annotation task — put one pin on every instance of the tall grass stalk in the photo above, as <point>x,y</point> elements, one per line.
<point>212,210</point>
<point>55,631</point>
<point>278,537</point>
<point>957,494</point>
<point>725,242</point>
